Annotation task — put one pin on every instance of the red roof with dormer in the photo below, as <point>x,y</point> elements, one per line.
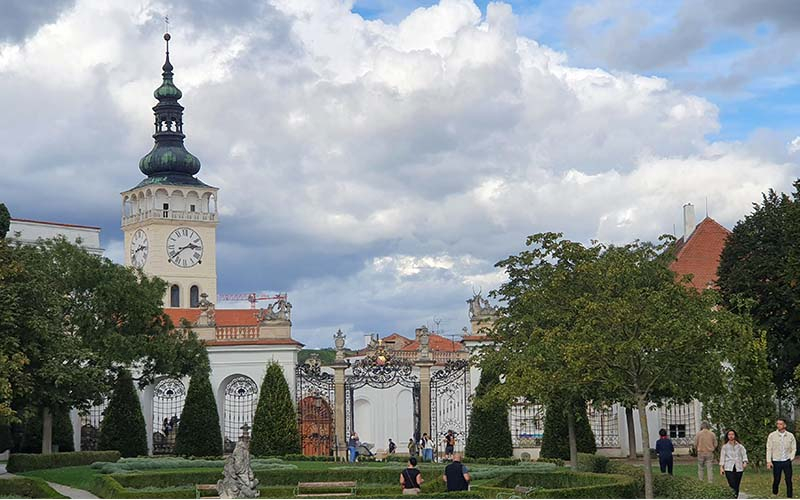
<point>437,344</point>
<point>699,255</point>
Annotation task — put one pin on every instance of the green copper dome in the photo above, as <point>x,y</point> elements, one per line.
<point>169,161</point>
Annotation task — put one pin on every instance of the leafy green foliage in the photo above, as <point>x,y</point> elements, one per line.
<point>199,433</point>
<point>5,220</point>
<point>21,462</point>
<point>30,437</point>
<point>555,439</point>
<point>489,434</point>
<point>746,399</point>
<point>123,427</point>
<point>761,263</point>
<point>666,486</point>
<point>69,319</point>
<point>172,463</point>
<point>275,423</point>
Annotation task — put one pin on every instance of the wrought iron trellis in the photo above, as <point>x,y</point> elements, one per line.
<point>315,395</point>
<point>451,403</point>
<point>679,421</point>
<point>90,426</point>
<point>169,397</point>
<point>526,421</point>
<point>241,398</point>
<point>381,371</point>
<point>605,425</point>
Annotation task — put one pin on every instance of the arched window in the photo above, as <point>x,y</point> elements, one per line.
<point>241,397</point>
<point>194,296</point>
<point>175,296</point>
<point>169,396</point>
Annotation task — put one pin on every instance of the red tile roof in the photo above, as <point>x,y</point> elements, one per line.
<point>223,317</point>
<point>220,343</point>
<point>437,343</point>
<point>699,255</point>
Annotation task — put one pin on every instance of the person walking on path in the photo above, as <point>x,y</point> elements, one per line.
<point>352,446</point>
<point>781,449</point>
<point>705,443</point>
<point>732,460</point>
<point>412,447</point>
<point>427,448</point>
<point>664,450</point>
<point>456,475</point>
<point>411,479</point>
<point>392,447</point>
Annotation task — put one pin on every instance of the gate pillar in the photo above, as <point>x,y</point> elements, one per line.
<point>424,366</point>
<point>340,431</point>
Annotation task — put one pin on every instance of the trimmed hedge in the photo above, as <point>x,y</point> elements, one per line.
<point>27,487</point>
<point>592,463</point>
<point>549,460</point>
<point>555,439</point>
<point>665,486</point>
<point>569,484</point>
<point>489,435</point>
<point>123,426</point>
<point>21,462</point>
<point>275,429</point>
<point>198,430</point>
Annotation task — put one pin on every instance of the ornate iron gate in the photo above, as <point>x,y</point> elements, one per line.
<point>169,396</point>
<point>315,395</point>
<point>451,403</point>
<point>239,407</point>
<point>381,370</point>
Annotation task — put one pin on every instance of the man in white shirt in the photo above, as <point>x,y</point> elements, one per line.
<point>781,449</point>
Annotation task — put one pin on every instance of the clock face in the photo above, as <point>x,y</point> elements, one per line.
<point>139,248</point>
<point>184,247</point>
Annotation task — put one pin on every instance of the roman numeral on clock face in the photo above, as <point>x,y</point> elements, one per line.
<point>184,247</point>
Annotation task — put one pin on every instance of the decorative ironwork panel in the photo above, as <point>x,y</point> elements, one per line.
<point>526,421</point>
<point>169,396</point>
<point>241,398</point>
<point>315,393</point>
<point>605,426</point>
<point>679,421</point>
<point>451,403</point>
<point>90,426</point>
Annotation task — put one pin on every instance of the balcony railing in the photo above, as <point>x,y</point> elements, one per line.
<point>171,215</point>
<point>237,332</point>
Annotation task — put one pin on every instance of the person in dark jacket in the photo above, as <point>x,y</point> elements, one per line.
<point>410,479</point>
<point>664,449</point>
<point>456,475</point>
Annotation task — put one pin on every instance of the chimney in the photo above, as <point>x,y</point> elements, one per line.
<point>688,221</point>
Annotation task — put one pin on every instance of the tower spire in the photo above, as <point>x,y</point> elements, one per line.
<point>169,161</point>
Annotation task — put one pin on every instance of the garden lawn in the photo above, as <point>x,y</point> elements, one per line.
<point>80,477</point>
<point>754,484</point>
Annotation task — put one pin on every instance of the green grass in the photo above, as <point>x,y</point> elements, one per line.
<point>756,484</point>
<point>80,477</point>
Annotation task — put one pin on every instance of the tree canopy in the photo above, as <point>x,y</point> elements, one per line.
<point>761,263</point>
<point>71,320</point>
<point>607,322</point>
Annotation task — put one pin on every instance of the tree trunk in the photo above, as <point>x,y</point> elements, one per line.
<point>573,442</point>
<point>47,431</point>
<point>631,432</point>
<point>648,466</point>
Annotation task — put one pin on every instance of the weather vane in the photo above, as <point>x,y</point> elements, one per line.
<point>166,24</point>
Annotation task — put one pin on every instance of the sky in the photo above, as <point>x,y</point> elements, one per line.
<point>376,158</point>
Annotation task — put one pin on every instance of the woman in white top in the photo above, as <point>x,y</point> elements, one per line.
<point>732,460</point>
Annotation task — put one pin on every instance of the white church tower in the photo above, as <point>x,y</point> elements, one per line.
<point>170,218</point>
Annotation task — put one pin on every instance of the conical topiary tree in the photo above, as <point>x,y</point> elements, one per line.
<point>275,424</point>
<point>489,434</point>
<point>30,440</point>
<point>198,433</point>
<point>123,426</point>
<point>555,441</point>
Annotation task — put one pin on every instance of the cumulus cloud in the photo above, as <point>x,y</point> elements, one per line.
<point>376,171</point>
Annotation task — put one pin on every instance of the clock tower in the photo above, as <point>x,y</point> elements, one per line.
<point>170,218</point>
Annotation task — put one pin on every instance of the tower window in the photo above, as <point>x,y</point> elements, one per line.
<point>166,210</point>
<point>191,208</point>
<point>194,296</point>
<point>175,296</point>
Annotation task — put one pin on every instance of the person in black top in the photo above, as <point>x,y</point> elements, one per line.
<point>664,449</point>
<point>392,446</point>
<point>449,444</point>
<point>456,475</point>
<point>410,479</point>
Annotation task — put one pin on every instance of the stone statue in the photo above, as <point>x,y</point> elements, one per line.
<point>424,337</point>
<point>339,341</point>
<point>208,311</point>
<point>280,310</point>
<point>238,479</point>
<point>480,307</point>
